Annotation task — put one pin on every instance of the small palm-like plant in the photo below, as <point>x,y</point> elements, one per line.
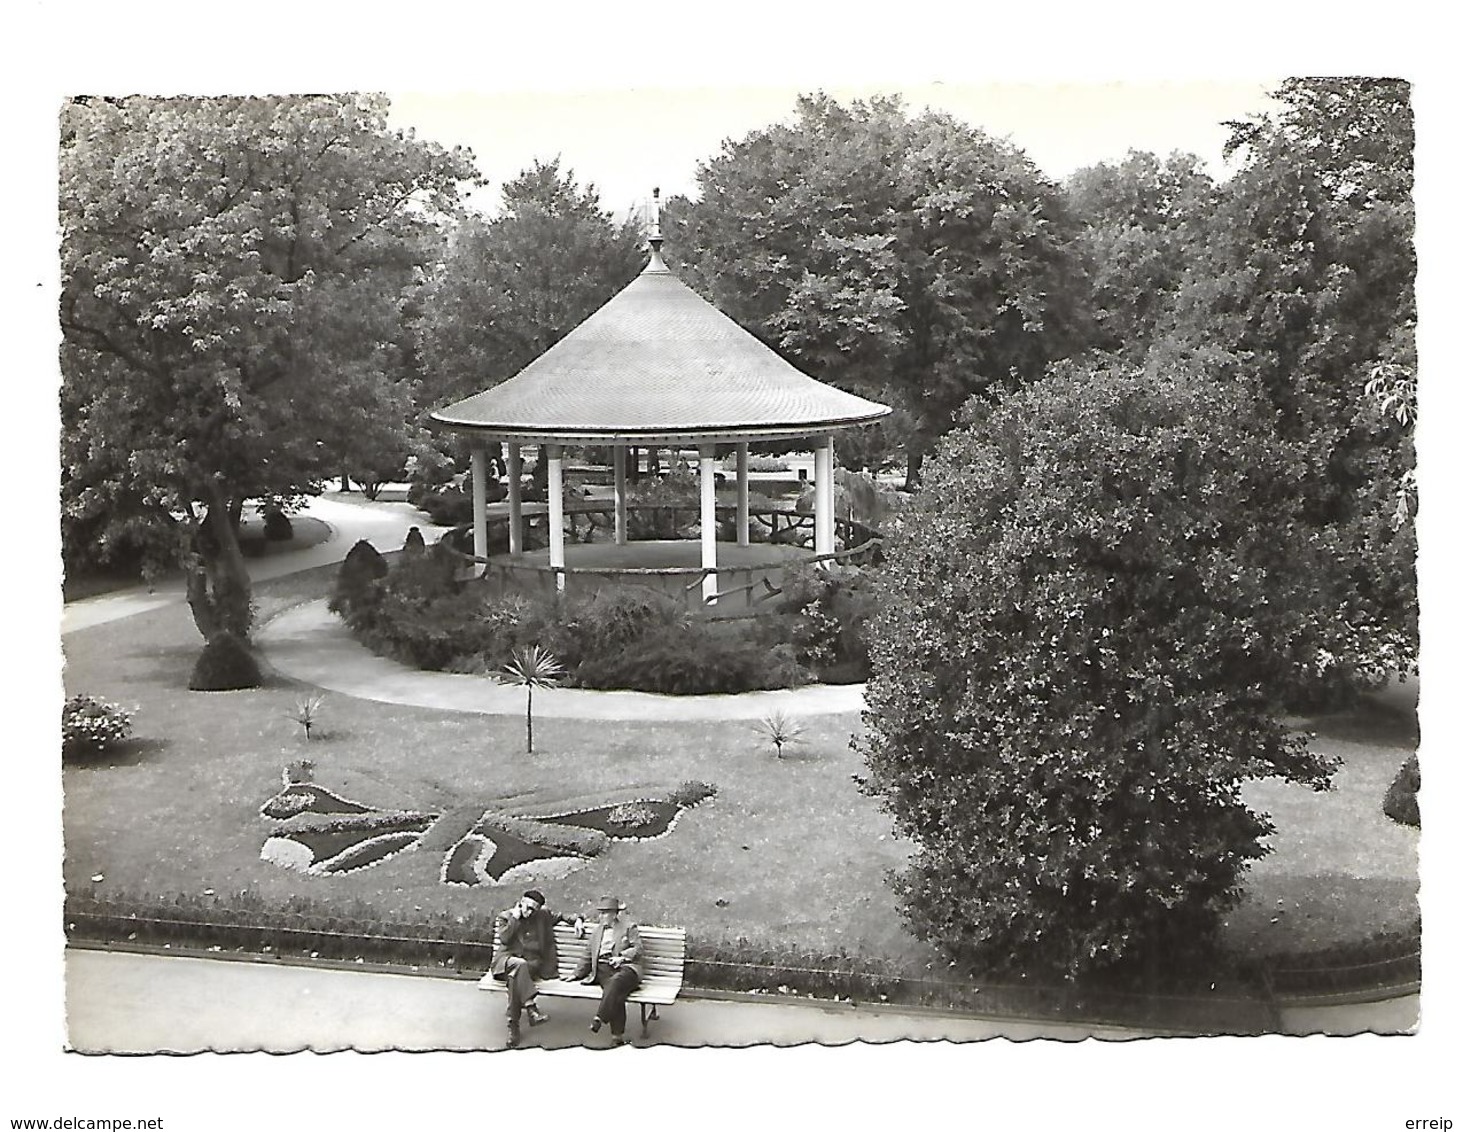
<point>307,711</point>
<point>783,732</point>
<point>533,667</point>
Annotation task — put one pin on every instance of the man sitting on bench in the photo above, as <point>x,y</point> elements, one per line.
<point>528,952</point>
<point>614,946</point>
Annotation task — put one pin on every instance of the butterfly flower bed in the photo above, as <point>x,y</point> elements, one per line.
<point>346,844</point>
<point>488,857</point>
<point>306,797</point>
<point>641,820</point>
<point>355,836</point>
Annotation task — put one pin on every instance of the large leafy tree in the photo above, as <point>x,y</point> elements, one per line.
<point>1304,280</point>
<point>1083,611</point>
<point>912,258</point>
<point>511,287</point>
<point>233,278</point>
<point>1134,243</point>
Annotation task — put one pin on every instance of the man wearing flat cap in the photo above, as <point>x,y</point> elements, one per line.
<point>611,963</point>
<point>527,952</point>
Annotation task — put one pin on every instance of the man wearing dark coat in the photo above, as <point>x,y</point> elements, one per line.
<point>612,963</point>
<point>526,953</point>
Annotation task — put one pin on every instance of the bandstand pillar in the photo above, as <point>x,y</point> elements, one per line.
<point>707,453</point>
<point>823,496</point>
<point>480,503</point>
<point>744,534</point>
<point>515,498</point>
<point>555,455</point>
<point>621,526</point>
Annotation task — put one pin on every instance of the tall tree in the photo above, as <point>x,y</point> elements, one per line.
<point>916,259</point>
<point>1133,242</point>
<point>513,286</point>
<point>1304,280</point>
<point>233,277</point>
<point>1083,612</point>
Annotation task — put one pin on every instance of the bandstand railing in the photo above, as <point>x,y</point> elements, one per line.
<point>592,521</point>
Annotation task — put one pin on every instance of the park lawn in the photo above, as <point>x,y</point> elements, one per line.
<point>1339,870</point>
<point>788,854</point>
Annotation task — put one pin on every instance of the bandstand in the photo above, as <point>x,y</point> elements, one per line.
<point>657,366</point>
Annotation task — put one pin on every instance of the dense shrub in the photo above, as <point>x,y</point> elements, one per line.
<point>606,622</point>
<point>427,577</point>
<point>224,665</point>
<point>1081,618</point>
<point>277,526</point>
<point>823,616</point>
<point>691,792</point>
<point>414,544</point>
<point>449,633</point>
<point>356,582</point>
<point>429,471</point>
<point>627,817</point>
<point>616,637</point>
<point>448,506</point>
<point>1400,803</point>
<point>692,659</point>
<point>91,727</point>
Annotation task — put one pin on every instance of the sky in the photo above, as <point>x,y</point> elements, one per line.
<point>628,140</point>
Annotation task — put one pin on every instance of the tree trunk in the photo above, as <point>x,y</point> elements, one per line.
<point>218,588</point>
<point>914,458</point>
<point>529,718</point>
<point>345,482</point>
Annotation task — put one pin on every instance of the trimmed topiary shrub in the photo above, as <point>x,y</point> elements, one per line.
<point>91,727</point>
<point>1400,804</point>
<point>415,544</point>
<point>225,665</point>
<point>356,582</point>
<point>277,526</point>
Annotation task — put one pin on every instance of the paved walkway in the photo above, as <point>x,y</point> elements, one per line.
<point>350,518</point>
<point>132,1003</point>
<point>122,1002</point>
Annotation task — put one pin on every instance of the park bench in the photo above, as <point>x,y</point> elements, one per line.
<point>662,959</point>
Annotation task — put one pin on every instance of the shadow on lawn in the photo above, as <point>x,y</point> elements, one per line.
<point>129,752</point>
<point>1371,723</point>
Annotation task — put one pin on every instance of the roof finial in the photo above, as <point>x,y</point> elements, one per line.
<point>655,240</point>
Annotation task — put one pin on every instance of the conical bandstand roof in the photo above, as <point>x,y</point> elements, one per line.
<point>658,363</point>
